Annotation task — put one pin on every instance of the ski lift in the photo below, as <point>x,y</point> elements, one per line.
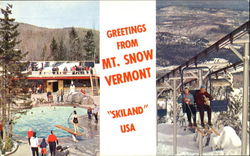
<point>219,104</point>
<point>161,109</point>
<point>223,87</point>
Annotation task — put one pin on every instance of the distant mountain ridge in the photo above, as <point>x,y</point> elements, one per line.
<point>184,31</point>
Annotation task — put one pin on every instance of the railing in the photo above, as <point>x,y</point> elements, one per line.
<point>62,73</point>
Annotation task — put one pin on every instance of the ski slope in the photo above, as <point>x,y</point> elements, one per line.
<point>186,144</point>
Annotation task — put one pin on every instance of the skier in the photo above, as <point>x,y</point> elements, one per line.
<point>187,101</point>
<point>202,99</point>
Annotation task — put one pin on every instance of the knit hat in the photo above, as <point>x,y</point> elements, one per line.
<point>203,86</point>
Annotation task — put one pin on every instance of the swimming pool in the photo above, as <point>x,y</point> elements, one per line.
<point>43,119</point>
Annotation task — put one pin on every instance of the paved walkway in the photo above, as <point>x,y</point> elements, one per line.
<point>87,146</point>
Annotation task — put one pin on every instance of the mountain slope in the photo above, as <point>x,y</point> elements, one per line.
<point>34,39</point>
<point>183,31</point>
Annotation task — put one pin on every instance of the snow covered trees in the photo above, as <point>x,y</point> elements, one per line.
<point>232,117</point>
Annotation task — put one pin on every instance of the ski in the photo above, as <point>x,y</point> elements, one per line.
<point>213,130</point>
<point>201,131</point>
<point>208,130</point>
<point>191,128</point>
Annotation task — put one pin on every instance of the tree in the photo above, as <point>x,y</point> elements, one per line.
<point>73,34</point>
<point>89,45</point>
<point>43,53</point>
<point>14,94</point>
<point>75,52</point>
<point>54,51</point>
<point>62,51</point>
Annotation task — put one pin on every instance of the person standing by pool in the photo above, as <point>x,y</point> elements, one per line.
<point>83,91</point>
<point>29,134</point>
<point>62,94</point>
<point>75,122</point>
<point>34,145</point>
<point>52,140</point>
<point>48,96</point>
<point>89,113</point>
<point>58,96</point>
<point>72,88</point>
<point>1,130</point>
<point>95,113</point>
<point>43,147</point>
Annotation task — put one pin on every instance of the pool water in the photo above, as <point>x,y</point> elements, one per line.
<point>43,119</point>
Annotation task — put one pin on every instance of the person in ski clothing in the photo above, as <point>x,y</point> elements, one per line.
<point>29,134</point>
<point>52,140</point>
<point>43,147</point>
<point>187,101</point>
<point>202,100</point>
<point>75,121</point>
<point>34,144</point>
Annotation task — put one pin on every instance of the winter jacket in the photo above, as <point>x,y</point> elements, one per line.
<point>200,98</point>
<point>185,99</point>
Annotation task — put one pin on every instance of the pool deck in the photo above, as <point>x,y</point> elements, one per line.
<point>43,96</point>
<point>89,146</point>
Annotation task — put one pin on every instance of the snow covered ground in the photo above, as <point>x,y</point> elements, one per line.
<point>186,144</point>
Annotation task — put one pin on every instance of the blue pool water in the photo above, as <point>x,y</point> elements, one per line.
<point>43,119</point>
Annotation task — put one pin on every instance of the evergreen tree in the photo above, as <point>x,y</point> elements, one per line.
<point>62,51</point>
<point>89,45</point>
<point>13,83</point>
<point>54,50</point>
<point>43,53</point>
<point>72,34</point>
<point>75,52</point>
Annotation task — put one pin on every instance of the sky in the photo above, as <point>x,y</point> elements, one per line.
<point>56,14</point>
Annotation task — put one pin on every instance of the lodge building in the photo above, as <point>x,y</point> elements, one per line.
<point>55,78</point>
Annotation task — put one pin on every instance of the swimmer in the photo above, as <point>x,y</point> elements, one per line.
<point>75,122</point>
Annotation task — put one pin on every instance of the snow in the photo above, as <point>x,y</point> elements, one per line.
<point>186,144</point>
<point>161,103</point>
<point>227,140</point>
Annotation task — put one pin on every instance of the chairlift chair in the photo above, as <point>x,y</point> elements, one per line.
<point>220,104</point>
<point>217,105</point>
